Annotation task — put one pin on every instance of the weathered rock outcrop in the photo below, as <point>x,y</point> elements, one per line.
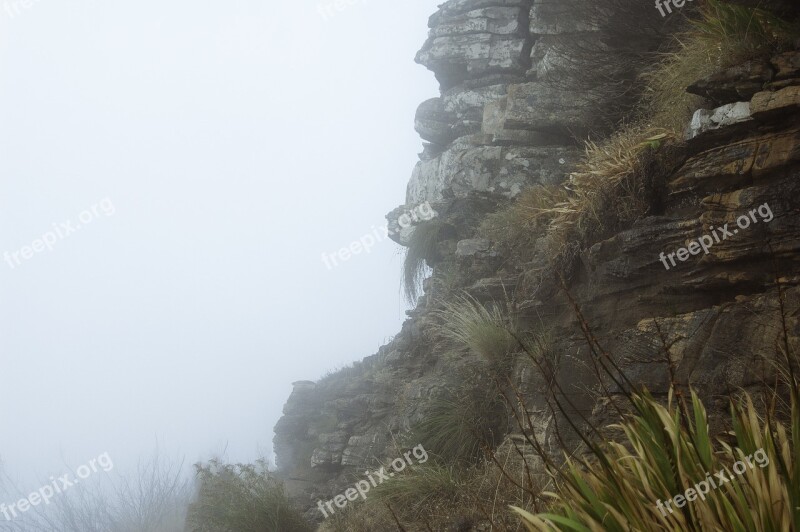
<point>510,117</point>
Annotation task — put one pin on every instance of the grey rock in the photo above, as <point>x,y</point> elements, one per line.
<point>461,57</point>
<point>329,452</point>
<point>434,123</point>
<point>494,117</point>
<point>567,16</point>
<point>569,58</point>
<point>473,40</point>
<point>362,449</point>
<point>462,170</point>
<point>453,8</point>
<point>470,101</point>
<point>496,20</point>
<point>550,108</point>
<point>705,120</point>
<point>458,113</point>
<point>472,246</point>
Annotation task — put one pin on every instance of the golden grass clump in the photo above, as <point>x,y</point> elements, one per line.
<point>610,189</point>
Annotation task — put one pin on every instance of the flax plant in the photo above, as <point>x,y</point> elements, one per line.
<point>661,455</point>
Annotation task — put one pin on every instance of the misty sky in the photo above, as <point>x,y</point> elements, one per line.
<point>224,146</point>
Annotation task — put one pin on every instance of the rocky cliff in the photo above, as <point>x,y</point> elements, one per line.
<point>523,84</point>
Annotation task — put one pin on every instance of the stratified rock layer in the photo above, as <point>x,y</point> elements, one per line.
<point>511,116</point>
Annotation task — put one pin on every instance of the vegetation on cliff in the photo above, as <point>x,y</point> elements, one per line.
<point>631,484</point>
<point>621,177</point>
<point>621,180</point>
<point>557,465</point>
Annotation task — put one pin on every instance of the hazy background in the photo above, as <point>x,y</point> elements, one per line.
<point>237,142</point>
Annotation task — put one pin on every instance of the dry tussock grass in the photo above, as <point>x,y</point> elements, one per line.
<point>611,188</point>
<point>442,498</point>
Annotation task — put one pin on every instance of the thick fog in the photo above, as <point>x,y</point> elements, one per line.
<point>172,173</point>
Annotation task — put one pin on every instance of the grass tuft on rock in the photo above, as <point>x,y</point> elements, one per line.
<point>615,185</point>
<point>422,247</point>
<point>486,330</point>
<point>470,416</point>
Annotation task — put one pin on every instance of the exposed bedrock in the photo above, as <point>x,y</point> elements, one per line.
<point>512,115</point>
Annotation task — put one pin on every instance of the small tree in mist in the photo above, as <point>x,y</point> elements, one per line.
<point>241,498</point>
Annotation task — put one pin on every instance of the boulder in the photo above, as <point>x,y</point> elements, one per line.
<point>434,123</point>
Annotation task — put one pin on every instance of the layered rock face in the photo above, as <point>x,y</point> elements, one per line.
<point>512,114</point>
<point>515,100</point>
